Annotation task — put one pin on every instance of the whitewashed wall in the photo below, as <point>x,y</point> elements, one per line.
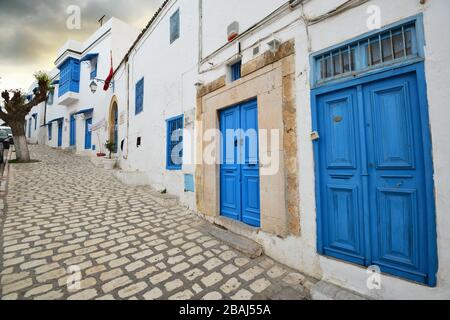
<point>170,72</point>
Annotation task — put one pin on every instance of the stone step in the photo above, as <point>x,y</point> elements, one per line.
<point>248,247</point>
<point>324,290</point>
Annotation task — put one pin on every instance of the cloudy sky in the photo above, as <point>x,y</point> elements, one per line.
<point>32,30</point>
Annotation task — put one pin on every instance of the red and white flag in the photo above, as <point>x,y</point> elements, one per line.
<point>110,76</point>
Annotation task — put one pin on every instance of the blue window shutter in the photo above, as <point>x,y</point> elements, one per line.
<point>174,148</point>
<point>236,71</point>
<point>94,63</point>
<point>50,131</point>
<point>69,76</point>
<point>139,99</point>
<point>175,26</point>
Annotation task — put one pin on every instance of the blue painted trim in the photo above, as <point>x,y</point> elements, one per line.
<point>89,57</point>
<point>429,178</point>
<point>84,111</point>
<point>168,153</point>
<point>419,70</point>
<point>55,82</point>
<point>54,120</point>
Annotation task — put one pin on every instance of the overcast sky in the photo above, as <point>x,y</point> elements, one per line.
<point>32,30</point>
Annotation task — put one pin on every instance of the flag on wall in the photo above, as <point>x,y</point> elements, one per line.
<point>109,78</point>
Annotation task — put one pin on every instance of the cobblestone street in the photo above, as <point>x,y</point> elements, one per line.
<point>63,213</point>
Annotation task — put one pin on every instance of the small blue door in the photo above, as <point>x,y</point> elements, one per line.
<point>239,173</point>
<point>372,177</point>
<point>60,133</point>
<point>72,130</point>
<point>29,127</point>
<point>88,134</point>
<point>116,130</point>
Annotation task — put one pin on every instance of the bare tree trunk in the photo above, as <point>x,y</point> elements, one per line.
<point>20,142</point>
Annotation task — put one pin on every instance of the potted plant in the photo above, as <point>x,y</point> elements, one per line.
<point>109,162</point>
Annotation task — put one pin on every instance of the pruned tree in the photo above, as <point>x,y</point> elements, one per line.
<point>15,108</point>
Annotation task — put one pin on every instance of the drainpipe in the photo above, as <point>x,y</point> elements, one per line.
<point>128,107</point>
<point>200,33</point>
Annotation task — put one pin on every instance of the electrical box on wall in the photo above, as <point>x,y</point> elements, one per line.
<point>233,31</point>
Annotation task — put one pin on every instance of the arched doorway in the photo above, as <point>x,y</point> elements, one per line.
<point>113,123</point>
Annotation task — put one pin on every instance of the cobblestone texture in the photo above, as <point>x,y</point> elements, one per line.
<point>64,215</point>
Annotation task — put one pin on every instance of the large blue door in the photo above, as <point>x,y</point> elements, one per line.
<point>88,134</point>
<point>239,174</point>
<point>60,133</point>
<point>372,177</point>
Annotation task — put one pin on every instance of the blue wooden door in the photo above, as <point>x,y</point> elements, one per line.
<point>341,187</point>
<point>250,164</point>
<point>372,177</point>
<point>230,173</point>
<point>88,134</point>
<point>72,130</point>
<point>29,127</point>
<point>116,130</point>
<point>397,177</point>
<point>60,133</point>
<point>239,174</point>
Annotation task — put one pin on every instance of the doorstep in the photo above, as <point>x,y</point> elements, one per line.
<point>248,247</point>
<point>324,290</point>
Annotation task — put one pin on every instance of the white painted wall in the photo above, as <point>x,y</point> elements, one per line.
<point>170,72</point>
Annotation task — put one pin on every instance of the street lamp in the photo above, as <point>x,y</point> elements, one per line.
<point>93,86</point>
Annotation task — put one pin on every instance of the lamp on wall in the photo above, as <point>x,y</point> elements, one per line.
<point>93,86</point>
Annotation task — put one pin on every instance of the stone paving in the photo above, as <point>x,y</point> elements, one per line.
<point>66,220</point>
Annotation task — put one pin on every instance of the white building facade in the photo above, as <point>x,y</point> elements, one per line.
<point>347,100</point>
<point>75,117</point>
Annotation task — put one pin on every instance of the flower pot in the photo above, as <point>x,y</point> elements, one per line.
<point>109,164</point>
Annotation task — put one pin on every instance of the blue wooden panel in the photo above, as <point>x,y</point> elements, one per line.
<point>30,121</point>
<point>88,134</point>
<point>340,127</point>
<point>175,26</point>
<point>139,96</point>
<point>60,133</point>
<point>240,182</point>
<point>116,130</point>
<point>343,234</point>
<point>174,143</point>
<point>72,130</point>
<point>250,166</point>
<point>69,76</point>
<point>397,187</point>
<point>230,184</point>
<point>236,70</point>
<point>189,185</point>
